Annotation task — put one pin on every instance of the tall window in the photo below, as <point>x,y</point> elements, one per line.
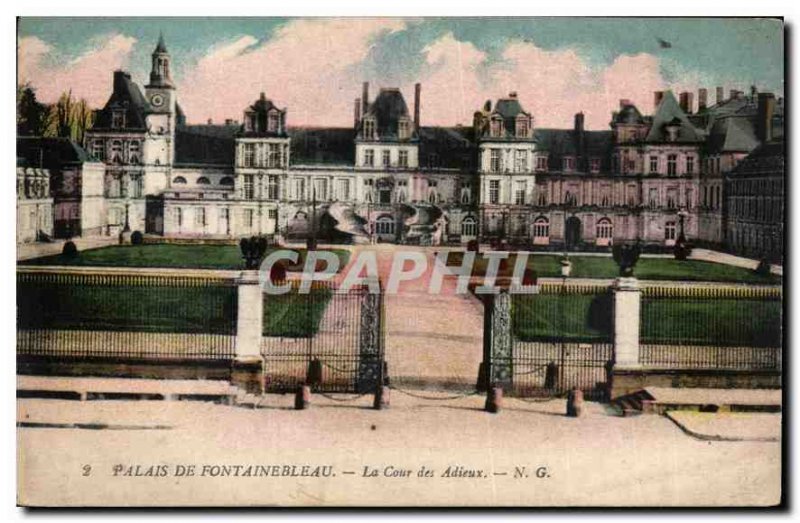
<point>272,187</point>
<point>519,192</point>
<point>670,231</point>
<point>672,165</point>
<point>321,189</point>
<point>402,159</point>
<point>98,149</point>
<point>273,122</point>
<point>369,157</point>
<point>369,129</point>
<point>134,156</point>
<point>343,190</point>
<point>179,217</point>
<point>249,154</point>
<point>116,151</point>
<point>521,161</point>
<point>605,229</point>
<point>200,217</point>
<point>402,129</point>
<point>541,228</point>
<point>274,155</point>
<point>494,164</point>
<point>387,158</point>
<point>249,193</point>
<point>672,198</point>
<point>494,191</point>
<point>652,199</point>
<point>653,164</point>
<point>469,226</point>
<point>299,188</point>
<point>690,165</point>
<point>496,127</point>
<point>137,188</point>
<point>248,218</point>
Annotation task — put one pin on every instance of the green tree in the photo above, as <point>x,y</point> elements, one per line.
<point>68,118</point>
<point>31,115</point>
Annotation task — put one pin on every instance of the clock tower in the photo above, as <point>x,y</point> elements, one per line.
<point>161,113</point>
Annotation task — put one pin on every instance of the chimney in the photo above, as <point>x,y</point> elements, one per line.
<point>579,122</point>
<point>417,92</point>
<point>229,121</point>
<point>487,106</point>
<point>622,103</point>
<point>753,91</point>
<point>119,80</point>
<point>365,98</point>
<point>766,109</point>
<point>687,102</point>
<point>733,94</point>
<point>720,95</point>
<point>210,121</point>
<point>580,141</point>
<point>702,99</point>
<point>657,96</point>
<point>356,113</point>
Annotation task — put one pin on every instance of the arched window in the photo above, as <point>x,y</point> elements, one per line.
<point>179,180</point>
<point>227,181</point>
<point>541,228</point>
<point>203,181</point>
<point>469,226</point>
<point>605,229</point>
<point>384,225</point>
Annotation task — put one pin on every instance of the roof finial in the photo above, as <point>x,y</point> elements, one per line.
<point>161,47</point>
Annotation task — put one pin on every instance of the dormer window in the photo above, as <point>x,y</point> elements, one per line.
<point>369,129</point>
<point>118,119</point>
<point>672,129</point>
<point>541,163</point>
<point>568,163</point>
<point>522,127</point>
<point>403,130</point>
<point>594,165</point>
<point>273,122</point>
<point>249,122</point>
<point>496,127</point>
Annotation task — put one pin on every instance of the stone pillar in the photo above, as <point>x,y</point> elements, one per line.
<point>370,343</point>
<point>627,303</point>
<point>247,369</point>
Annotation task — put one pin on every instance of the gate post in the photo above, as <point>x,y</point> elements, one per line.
<point>370,349</point>
<point>248,365</point>
<point>627,306</point>
<point>497,340</point>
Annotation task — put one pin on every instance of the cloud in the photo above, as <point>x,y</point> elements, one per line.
<point>551,84</point>
<point>88,75</point>
<point>311,66</point>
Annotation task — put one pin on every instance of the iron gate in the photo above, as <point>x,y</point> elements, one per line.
<point>330,338</point>
<point>546,344</point>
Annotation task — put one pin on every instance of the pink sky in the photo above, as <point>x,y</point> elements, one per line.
<point>314,68</point>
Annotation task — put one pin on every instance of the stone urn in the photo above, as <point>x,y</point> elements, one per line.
<point>566,267</point>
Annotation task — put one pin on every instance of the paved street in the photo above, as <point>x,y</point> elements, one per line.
<point>599,459</point>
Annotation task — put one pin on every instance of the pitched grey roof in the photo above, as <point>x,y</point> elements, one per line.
<point>128,97</point>
<point>205,144</point>
<point>53,153</point>
<point>387,109</point>
<point>446,147</point>
<point>509,108</point>
<point>766,160</point>
<point>563,142</point>
<point>733,134</point>
<point>329,146</point>
<point>670,113</point>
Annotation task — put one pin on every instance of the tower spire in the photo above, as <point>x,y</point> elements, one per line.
<point>159,73</point>
<point>161,46</point>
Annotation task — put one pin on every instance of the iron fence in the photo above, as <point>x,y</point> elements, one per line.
<point>562,340</point>
<point>318,338</point>
<point>711,327</point>
<point>127,316</point>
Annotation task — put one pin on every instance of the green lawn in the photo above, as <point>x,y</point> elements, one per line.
<point>294,315</point>
<point>167,256</point>
<point>587,318</point>
<point>647,269</point>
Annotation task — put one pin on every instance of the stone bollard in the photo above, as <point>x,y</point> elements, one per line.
<point>575,403</point>
<point>302,398</point>
<point>494,400</point>
<point>314,372</point>
<point>381,398</point>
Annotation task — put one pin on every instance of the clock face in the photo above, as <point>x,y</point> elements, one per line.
<point>157,100</point>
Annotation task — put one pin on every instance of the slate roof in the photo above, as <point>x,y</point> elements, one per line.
<point>766,160</point>
<point>732,134</point>
<point>670,113</point>
<point>126,96</point>
<point>563,142</point>
<point>205,144</point>
<point>387,109</point>
<point>54,153</point>
<point>452,147</point>
<point>329,146</point>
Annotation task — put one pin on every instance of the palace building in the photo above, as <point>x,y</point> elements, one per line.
<point>389,178</point>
